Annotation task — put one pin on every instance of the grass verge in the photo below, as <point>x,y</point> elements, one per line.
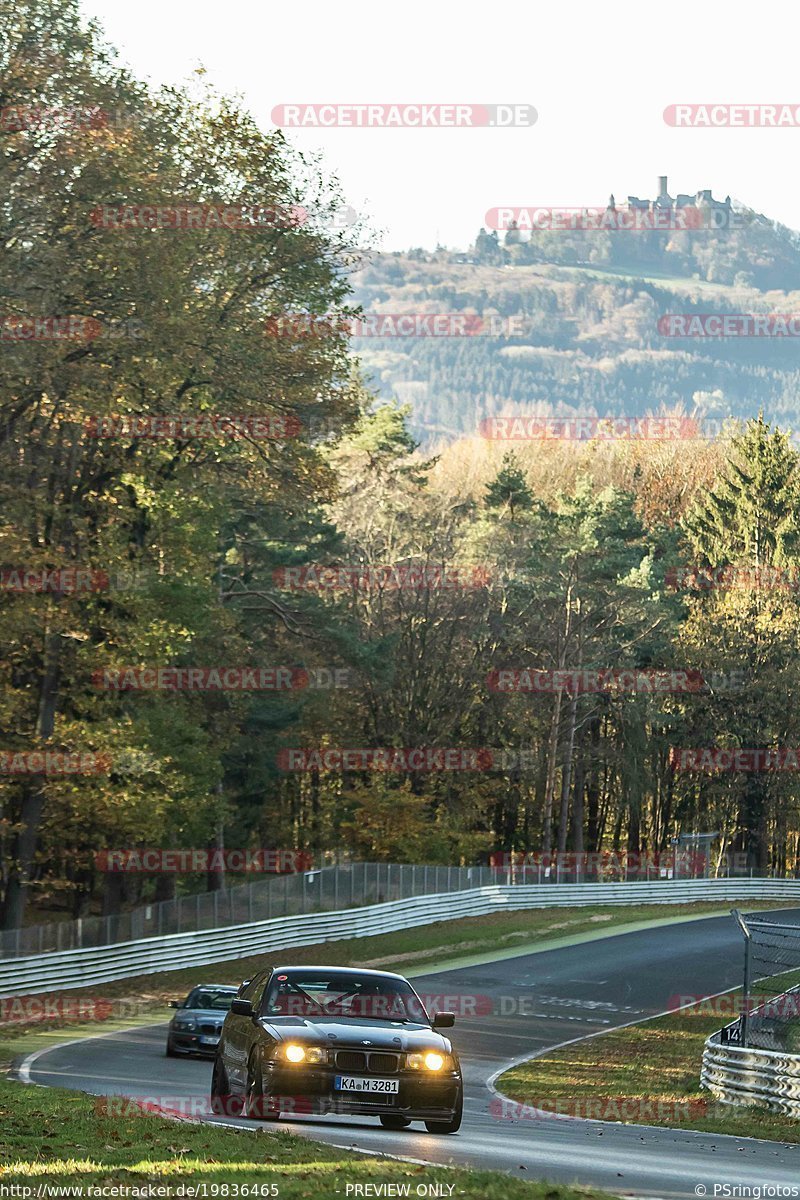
<point>51,1136</point>
<point>647,1074</point>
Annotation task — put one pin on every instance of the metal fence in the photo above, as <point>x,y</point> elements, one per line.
<point>328,888</point>
<point>771,960</point>
<point>323,890</point>
<point>91,965</point>
<point>748,1076</point>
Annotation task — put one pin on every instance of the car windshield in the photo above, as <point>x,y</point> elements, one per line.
<point>372,997</point>
<point>210,998</point>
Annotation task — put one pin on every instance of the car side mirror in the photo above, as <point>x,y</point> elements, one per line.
<point>243,1008</point>
<point>174,1003</point>
<point>443,1020</point>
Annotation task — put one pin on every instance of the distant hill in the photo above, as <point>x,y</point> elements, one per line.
<point>589,305</point>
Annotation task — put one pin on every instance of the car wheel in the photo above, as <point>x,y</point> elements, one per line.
<point>171,1051</point>
<point>222,1103</point>
<point>454,1124</point>
<point>394,1121</point>
<point>258,1106</point>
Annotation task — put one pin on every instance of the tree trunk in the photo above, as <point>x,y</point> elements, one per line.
<point>112,894</point>
<point>215,880</point>
<point>577,804</point>
<point>550,785</point>
<point>33,794</point>
<point>165,887</point>
<point>593,788</point>
<point>566,776</point>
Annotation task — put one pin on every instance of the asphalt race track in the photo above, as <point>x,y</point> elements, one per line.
<point>540,1001</point>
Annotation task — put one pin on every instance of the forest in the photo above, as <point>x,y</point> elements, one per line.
<point>248,600</point>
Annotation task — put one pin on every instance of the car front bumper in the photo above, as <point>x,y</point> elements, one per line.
<point>194,1043</point>
<point>307,1090</point>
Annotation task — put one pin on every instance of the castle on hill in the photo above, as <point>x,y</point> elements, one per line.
<point>664,202</point>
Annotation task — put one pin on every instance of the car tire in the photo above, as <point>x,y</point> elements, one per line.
<point>394,1121</point>
<point>257,1104</point>
<point>171,1052</point>
<point>454,1124</point>
<point>221,1102</point>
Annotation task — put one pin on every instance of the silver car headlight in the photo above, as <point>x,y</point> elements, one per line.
<point>185,1024</point>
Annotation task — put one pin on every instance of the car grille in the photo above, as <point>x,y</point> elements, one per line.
<point>209,1028</point>
<point>358,1060</point>
<point>383,1063</point>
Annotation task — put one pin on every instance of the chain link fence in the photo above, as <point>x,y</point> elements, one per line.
<point>770,1016</point>
<point>348,885</point>
<point>328,888</point>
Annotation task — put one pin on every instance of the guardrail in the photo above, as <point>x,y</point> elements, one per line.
<point>102,964</point>
<point>322,889</point>
<point>746,1076</point>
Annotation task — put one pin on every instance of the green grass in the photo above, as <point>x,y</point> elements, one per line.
<point>142,999</point>
<point>58,1137</point>
<point>653,275</point>
<point>646,1074</point>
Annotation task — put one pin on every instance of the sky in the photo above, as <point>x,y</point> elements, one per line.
<point>598,74</point>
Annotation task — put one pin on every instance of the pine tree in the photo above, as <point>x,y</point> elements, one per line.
<point>752,515</point>
<point>509,489</point>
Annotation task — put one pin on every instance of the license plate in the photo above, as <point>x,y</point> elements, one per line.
<point>209,1041</point>
<point>355,1083</point>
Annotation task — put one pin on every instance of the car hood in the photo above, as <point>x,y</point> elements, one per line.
<point>201,1014</point>
<point>354,1034</point>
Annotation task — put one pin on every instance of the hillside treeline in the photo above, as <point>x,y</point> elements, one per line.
<point>364,596</point>
<point>583,339</point>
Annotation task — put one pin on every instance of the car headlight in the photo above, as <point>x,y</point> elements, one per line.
<point>429,1060</point>
<point>295,1053</point>
<point>186,1023</point>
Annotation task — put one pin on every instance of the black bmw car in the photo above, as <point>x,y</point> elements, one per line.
<point>196,1026</point>
<point>317,1040</point>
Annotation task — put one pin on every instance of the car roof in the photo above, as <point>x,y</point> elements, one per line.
<point>214,987</point>
<point>309,970</point>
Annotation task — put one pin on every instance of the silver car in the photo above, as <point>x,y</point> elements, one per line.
<point>196,1026</point>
